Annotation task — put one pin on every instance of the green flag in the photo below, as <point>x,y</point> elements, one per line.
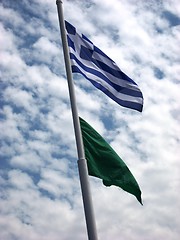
<point>104,163</point>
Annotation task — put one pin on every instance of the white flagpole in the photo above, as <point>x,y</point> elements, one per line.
<point>82,165</point>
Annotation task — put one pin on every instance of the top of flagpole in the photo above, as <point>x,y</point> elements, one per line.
<point>59,1</point>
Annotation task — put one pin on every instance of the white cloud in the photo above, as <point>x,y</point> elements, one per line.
<point>11,16</point>
<point>20,98</point>
<point>45,50</point>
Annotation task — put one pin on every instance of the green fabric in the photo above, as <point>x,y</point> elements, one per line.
<point>104,163</point>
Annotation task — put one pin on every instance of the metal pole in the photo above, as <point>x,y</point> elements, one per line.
<point>82,165</point>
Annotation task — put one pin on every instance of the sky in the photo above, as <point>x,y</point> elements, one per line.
<point>40,195</point>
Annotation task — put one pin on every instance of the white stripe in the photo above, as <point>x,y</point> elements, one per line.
<point>117,94</point>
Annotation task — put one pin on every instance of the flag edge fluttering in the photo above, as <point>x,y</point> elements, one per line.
<point>101,82</point>
<point>91,136</point>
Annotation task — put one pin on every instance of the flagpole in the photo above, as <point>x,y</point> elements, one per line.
<point>82,165</point>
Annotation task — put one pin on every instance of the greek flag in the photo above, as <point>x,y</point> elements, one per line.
<point>102,71</point>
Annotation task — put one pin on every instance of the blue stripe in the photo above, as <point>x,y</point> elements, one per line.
<point>87,39</point>
<point>115,73</point>
<point>118,88</point>
<point>70,28</point>
<point>86,54</point>
<point>96,49</point>
<point>128,104</point>
<point>70,43</point>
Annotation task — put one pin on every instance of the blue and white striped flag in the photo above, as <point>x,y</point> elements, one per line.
<point>102,71</point>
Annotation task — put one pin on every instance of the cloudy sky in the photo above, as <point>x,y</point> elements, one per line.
<point>40,196</point>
